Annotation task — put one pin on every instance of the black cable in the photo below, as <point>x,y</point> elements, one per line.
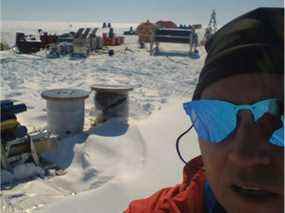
<point>113,105</point>
<point>177,143</point>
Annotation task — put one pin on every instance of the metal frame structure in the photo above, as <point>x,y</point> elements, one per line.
<point>171,35</point>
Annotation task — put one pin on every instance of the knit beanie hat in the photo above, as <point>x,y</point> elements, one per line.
<point>251,43</point>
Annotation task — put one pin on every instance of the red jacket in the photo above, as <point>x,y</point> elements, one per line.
<point>186,197</point>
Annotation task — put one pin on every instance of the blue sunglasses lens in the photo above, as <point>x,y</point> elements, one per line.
<point>215,120</point>
<point>277,137</point>
<point>211,119</point>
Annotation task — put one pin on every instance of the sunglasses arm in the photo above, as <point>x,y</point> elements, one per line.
<point>178,141</point>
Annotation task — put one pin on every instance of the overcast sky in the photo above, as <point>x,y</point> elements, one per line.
<point>180,11</point>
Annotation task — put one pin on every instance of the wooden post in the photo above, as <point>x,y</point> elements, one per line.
<point>151,43</point>
<point>191,43</point>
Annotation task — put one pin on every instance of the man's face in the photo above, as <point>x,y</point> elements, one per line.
<point>245,172</point>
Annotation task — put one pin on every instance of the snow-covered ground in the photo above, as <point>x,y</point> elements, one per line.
<point>110,164</point>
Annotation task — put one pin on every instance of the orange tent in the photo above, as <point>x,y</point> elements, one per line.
<point>166,24</point>
<point>144,31</point>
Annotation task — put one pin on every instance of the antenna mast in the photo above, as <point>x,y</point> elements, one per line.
<point>213,23</point>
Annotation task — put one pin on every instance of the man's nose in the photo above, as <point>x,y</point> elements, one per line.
<point>249,146</point>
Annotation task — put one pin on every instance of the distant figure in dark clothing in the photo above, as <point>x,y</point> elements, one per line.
<point>111,33</point>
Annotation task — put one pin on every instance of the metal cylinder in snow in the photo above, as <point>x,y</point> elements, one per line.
<point>65,110</point>
<point>112,101</point>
